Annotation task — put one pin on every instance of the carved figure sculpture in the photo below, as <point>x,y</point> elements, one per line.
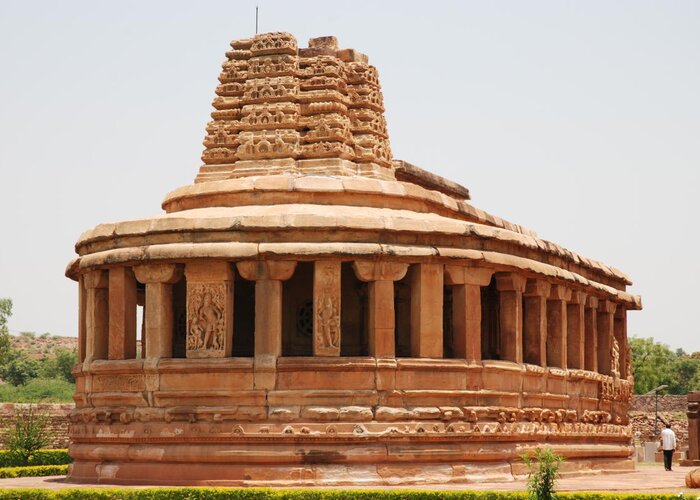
<point>209,316</point>
<point>615,353</point>
<point>206,318</point>
<point>328,320</point>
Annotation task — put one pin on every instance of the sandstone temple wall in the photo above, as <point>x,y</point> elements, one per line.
<point>316,311</point>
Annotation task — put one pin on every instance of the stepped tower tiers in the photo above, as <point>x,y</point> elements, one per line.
<point>280,109</point>
<point>316,312</point>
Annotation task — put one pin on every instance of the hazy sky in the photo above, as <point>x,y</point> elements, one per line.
<point>580,120</point>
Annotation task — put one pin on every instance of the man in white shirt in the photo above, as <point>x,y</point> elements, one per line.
<point>668,445</point>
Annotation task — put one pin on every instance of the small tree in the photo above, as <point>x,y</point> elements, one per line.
<point>27,433</point>
<point>5,343</point>
<point>19,369</point>
<point>65,360</point>
<point>544,469</point>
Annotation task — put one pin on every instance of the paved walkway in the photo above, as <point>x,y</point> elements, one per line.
<point>646,479</point>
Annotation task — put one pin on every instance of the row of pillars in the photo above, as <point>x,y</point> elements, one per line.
<point>550,325</point>
<point>540,323</point>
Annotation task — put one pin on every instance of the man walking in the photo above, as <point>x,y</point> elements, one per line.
<point>668,444</point>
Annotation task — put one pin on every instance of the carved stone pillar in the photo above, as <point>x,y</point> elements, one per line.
<point>82,311</point>
<point>466,308</point>
<point>141,301</point>
<point>591,335</point>
<point>608,352</point>
<point>575,327</point>
<point>511,287</point>
<point>159,280</point>
<point>326,341</point>
<point>268,277</point>
<point>693,415</point>
<point>621,339</point>
<point>96,315</point>
<point>557,326</point>
<point>426,310</point>
<point>122,313</point>
<point>535,322</point>
<point>209,309</point>
<point>381,276</point>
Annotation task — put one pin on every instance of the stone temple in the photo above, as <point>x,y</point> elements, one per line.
<point>316,312</point>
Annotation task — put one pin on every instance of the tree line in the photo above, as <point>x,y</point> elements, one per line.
<point>26,379</point>
<point>655,364</point>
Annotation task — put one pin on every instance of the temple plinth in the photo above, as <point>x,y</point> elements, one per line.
<point>316,312</point>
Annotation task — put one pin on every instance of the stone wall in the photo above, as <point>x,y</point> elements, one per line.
<point>58,420</point>
<point>672,410</point>
<point>643,426</point>
<point>667,403</point>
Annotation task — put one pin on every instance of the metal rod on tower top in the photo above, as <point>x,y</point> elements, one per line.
<point>256,19</point>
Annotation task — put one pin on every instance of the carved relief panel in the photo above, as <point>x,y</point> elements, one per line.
<point>271,89</point>
<point>209,310</point>
<point>327,308</point>
<point>277,65</point>
<point>268,144</point>
<point>269,116</point>
<point>274,43</point>
<point>234,71</point>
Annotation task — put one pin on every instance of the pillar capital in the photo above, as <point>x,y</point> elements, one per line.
<point>560,292</point>
<point>254,270</point>
<point>379,270</point>
<point>578,297</point>
<point>592,302</point>
<point>158,273</point>
<point>537,288</point>
<point>204,271</point>
<point>607,306</point>
<point>620,312</point>
<point>466,275</point>
<point>96,279</point>
<point>510,282</point>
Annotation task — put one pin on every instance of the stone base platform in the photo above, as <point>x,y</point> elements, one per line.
<point>321,474</point>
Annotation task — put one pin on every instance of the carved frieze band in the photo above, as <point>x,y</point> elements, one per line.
<point>350,422</point>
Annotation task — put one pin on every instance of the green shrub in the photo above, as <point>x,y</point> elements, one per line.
<point>27,434</point>
<point>40,457</point>
<point>58,366</point>
<point>51,457</point>
<point>19,368</point>
<point>544,469</point>
<point>34,471</point>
